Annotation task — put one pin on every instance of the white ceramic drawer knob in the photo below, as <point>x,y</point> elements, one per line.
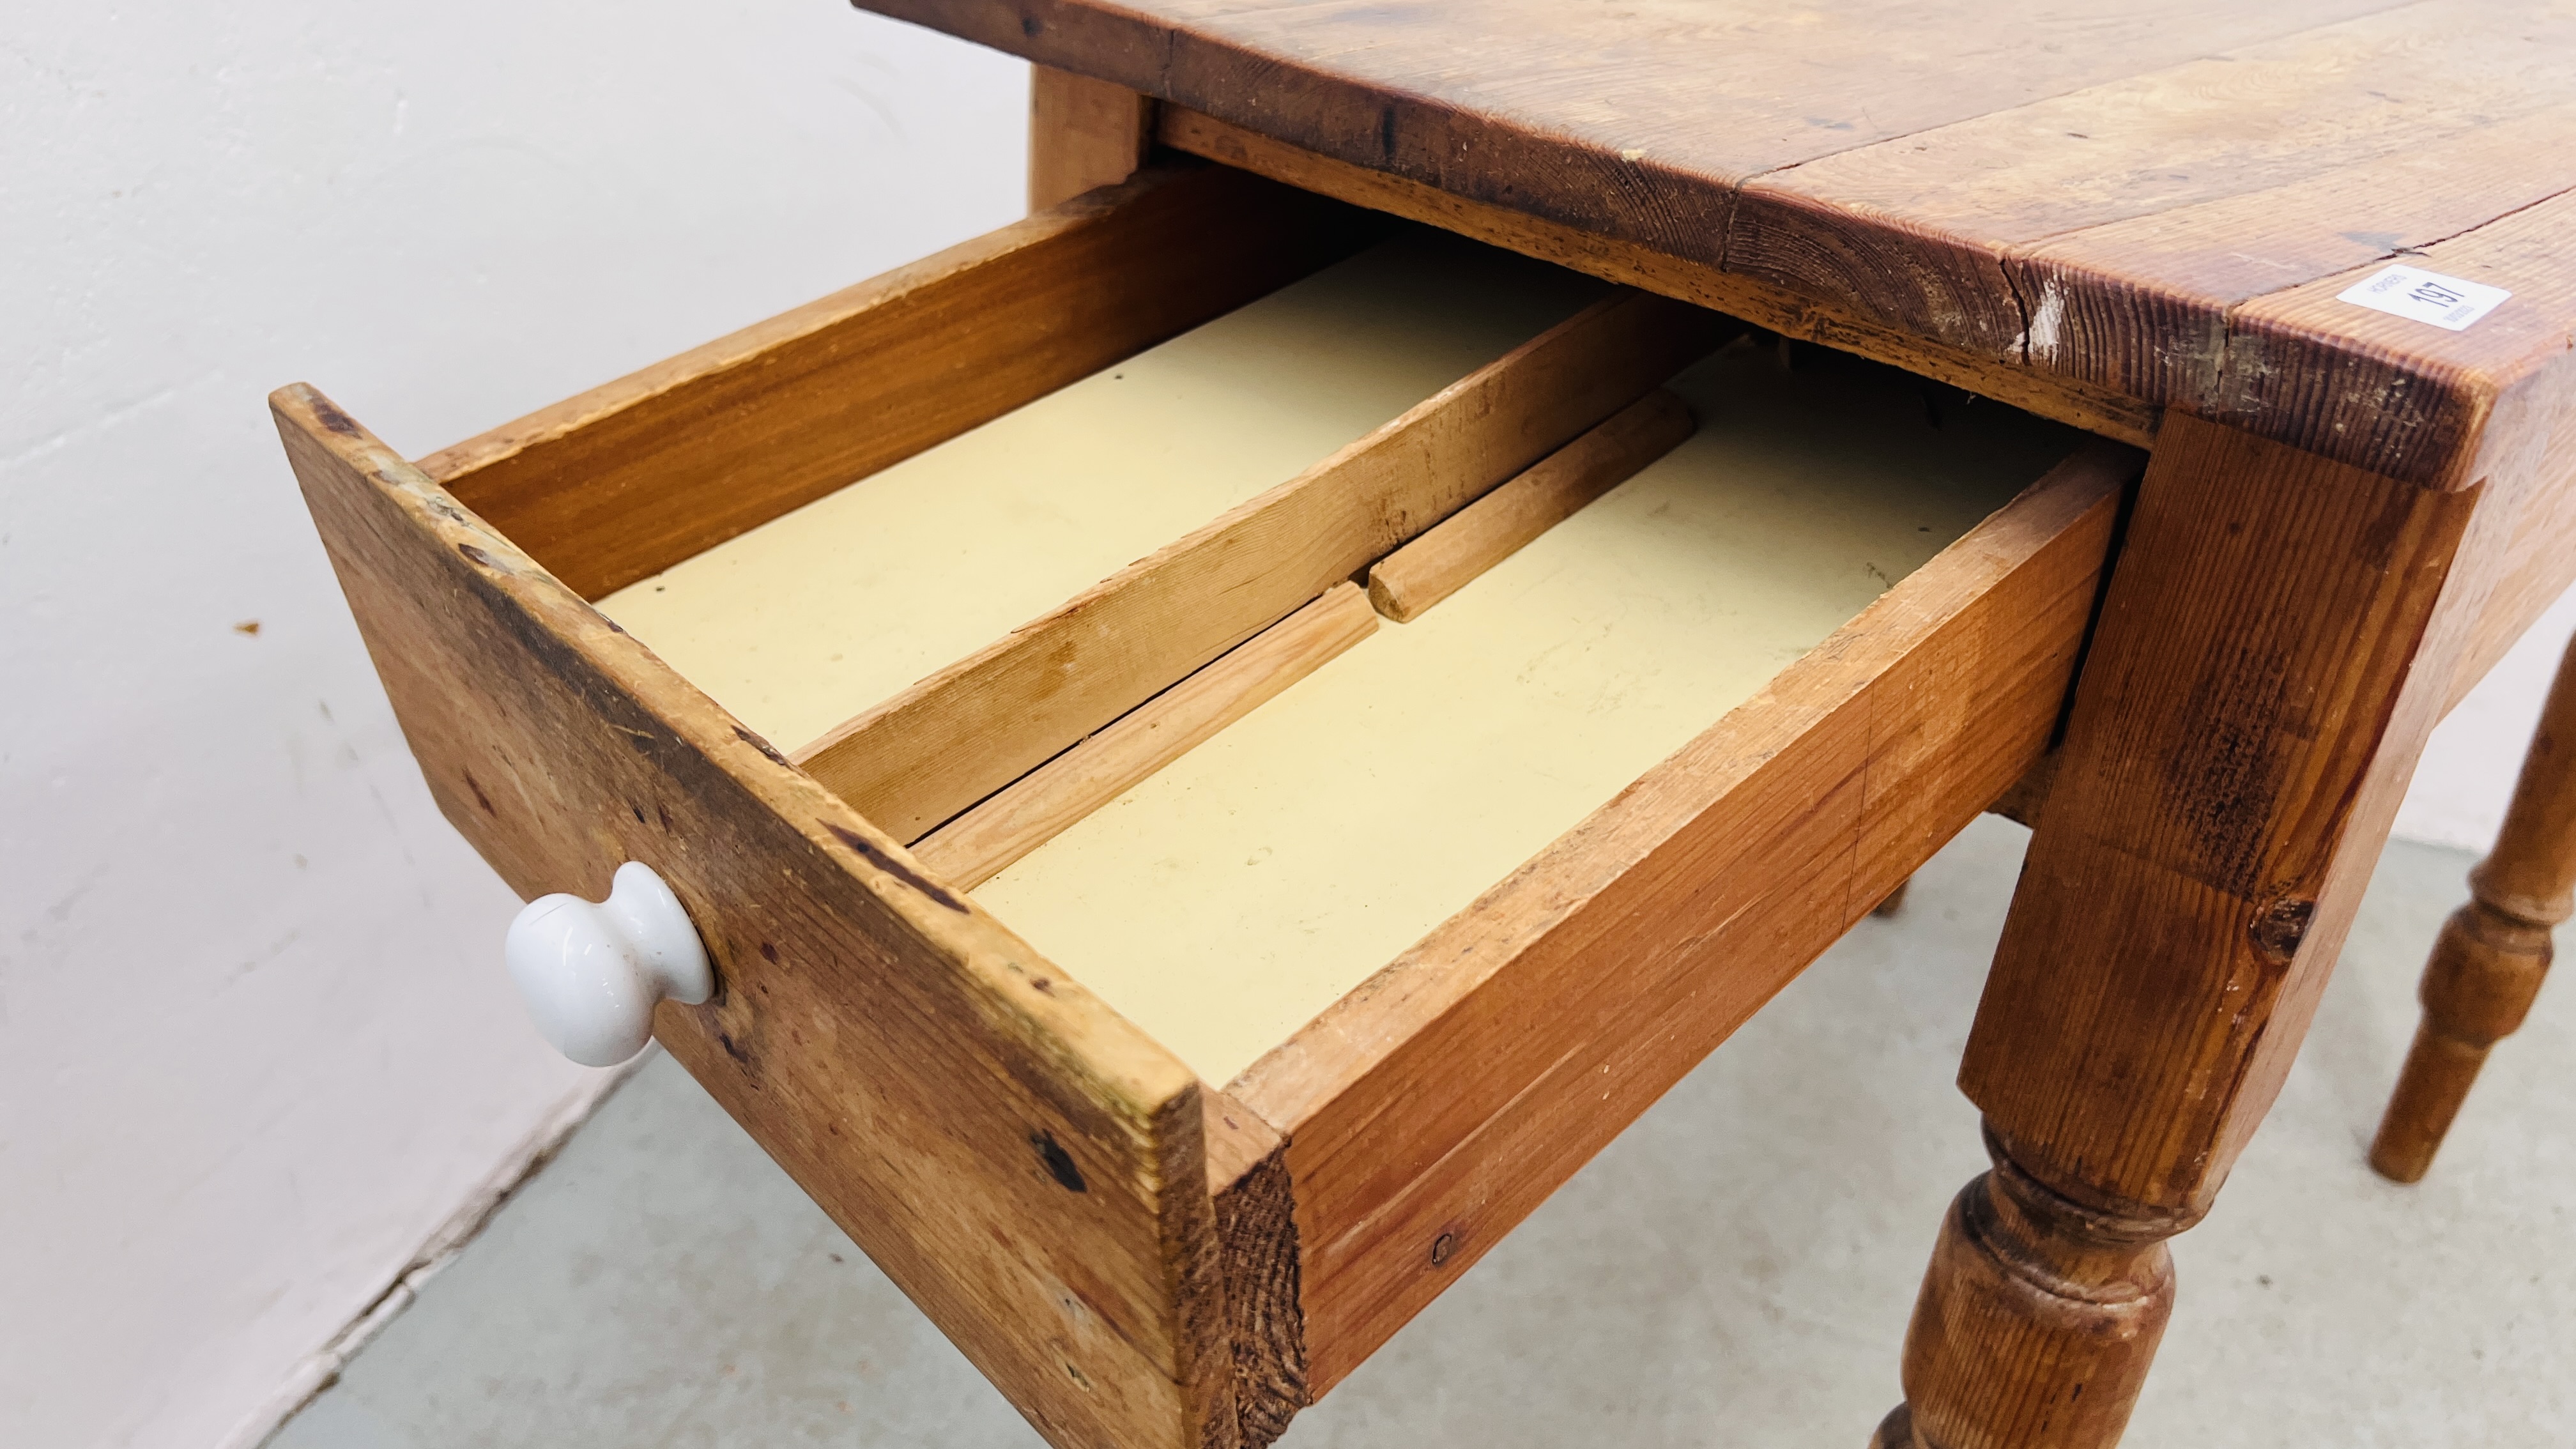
<point>591,971</point>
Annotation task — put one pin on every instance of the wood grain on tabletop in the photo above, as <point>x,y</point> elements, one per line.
<point>630,478</point>
<point>1413,578</point>
<point>1432,1108</point>
<point>2075,191</point>
<point>1025,1164</point>
<point>1047,801</point>
<point>2114,226</point>
<point>2522,433</point>
<point>930,752</point>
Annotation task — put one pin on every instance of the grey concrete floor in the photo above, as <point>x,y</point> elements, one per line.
<point>1735,1270</point>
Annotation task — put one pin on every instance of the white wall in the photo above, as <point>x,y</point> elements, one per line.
<point>254,1041</point>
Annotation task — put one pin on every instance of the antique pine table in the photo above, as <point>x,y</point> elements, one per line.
<point>2137,218</point>
<point>2305,254</point>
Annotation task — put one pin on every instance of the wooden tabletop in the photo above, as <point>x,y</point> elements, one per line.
<point>2163,200</point>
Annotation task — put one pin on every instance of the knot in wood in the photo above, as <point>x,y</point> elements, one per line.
<point>1058,1162</point>
<point>2280,927</point>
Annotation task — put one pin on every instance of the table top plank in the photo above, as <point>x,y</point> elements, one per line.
<point>2396,390</point>
<point>2157,290</point>
<point>1726,90</point>
<point>1629,118</point>
<point>2109,232</point>
<point>2373,89</point>
<point>1934,168</point>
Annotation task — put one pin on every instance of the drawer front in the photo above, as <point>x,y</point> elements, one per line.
<point>1028,1167</point>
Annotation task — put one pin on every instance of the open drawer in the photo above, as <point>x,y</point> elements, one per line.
<point>1170,972</point>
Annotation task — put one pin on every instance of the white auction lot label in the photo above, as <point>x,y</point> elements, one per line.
<point>2424,296</point>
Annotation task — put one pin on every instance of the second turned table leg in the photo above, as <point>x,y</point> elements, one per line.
<point>2487,965</point>
<point>2277,640</point>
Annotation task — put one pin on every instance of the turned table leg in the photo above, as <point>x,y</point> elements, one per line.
<point>2036,1302</point>
<point>2276,641</point>
<point>2487,965</point>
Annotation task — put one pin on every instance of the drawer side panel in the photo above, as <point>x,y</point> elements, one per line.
<point>628,479</point>
<point>1028,1167</point>
<point>1437,1105</point>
